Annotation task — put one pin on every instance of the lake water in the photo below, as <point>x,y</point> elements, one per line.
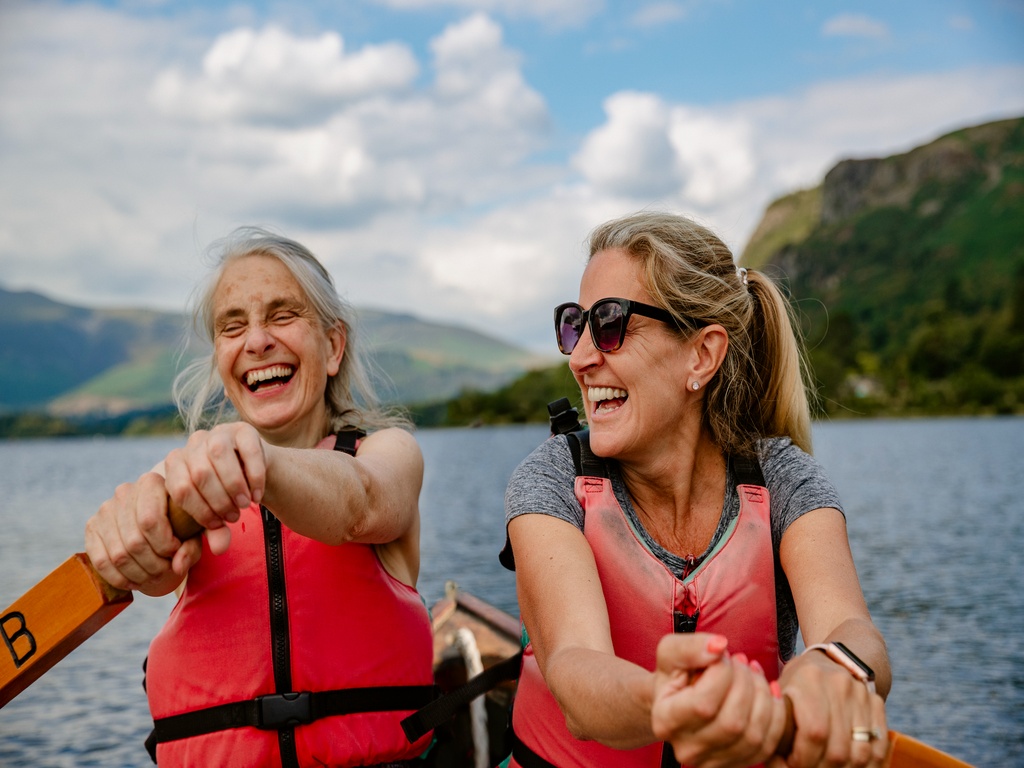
<point>936,522</point>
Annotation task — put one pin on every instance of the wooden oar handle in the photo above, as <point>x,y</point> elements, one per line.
<point>183,524</point>
<point>785,745</point>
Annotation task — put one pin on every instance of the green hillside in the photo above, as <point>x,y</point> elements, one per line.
<point>431,362</point>
<point>788,221</point>
<point>50,349</point>
<point>910,284</point>
<point>83,363</point>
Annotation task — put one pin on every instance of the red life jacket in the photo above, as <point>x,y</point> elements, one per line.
<point>289,652</point>
<point>732,592</point>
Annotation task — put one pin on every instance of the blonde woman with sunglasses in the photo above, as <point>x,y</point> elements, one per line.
<point>666,556</point>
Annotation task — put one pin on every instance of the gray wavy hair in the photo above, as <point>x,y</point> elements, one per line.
<point>350,395</point>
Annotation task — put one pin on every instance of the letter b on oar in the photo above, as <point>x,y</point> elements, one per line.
<point>19,638</point>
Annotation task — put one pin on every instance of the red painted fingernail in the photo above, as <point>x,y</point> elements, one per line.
<point>717,643</point>
<point>775,689</point>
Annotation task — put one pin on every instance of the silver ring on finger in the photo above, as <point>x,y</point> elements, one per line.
<point>866,734</point>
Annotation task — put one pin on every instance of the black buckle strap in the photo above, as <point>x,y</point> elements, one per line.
<point>563,417</point>
<point>347,438</point>
<point>587,464</point>
<point>525,756</point>
<point>747,470</point>
<point>280,711</point>
<point>284,710</point>
<point>441,710</point>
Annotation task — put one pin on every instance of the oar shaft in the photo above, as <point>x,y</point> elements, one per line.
<point>183,524</point>
<point>785,745</point>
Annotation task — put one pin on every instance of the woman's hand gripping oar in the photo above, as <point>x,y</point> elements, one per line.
<point>61,612</point>
<point>681,668</point>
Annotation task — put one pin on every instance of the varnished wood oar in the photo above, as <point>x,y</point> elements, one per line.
<point>60,613</point>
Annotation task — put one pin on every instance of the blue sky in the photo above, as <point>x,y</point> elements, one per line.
<point>448,157</point>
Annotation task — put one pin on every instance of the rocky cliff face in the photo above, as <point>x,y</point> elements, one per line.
<point>858,185</point>
<point>855,185</point>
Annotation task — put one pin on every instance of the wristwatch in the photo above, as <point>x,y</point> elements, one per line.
<point>842,655</point>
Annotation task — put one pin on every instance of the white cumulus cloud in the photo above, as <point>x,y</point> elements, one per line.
<point>648,150</point>
<point>631,154</point>
<point>271,74</point>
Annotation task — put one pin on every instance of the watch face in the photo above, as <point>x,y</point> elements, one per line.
<point>855,659</point>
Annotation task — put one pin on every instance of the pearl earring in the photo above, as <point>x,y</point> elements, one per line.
<point>695,386</point>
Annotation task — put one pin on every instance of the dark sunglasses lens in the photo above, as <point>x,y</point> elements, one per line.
<point>567,326</point>
<point>607,324</point>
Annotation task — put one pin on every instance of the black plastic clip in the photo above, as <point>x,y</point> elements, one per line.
<point>563,417</point>
<point>284,710</point>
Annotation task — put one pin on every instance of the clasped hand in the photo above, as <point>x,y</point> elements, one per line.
<point>714,708</point>
<point>717,709</point>
<point>215,475</point>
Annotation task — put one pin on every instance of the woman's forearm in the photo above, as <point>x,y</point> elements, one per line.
<point>336,498</point>
<point>584,681</point>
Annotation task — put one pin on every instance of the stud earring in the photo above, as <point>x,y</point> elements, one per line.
<point>695,386</point>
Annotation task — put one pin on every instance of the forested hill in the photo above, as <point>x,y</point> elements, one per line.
<point>84,362</point>
<point>908,275</point>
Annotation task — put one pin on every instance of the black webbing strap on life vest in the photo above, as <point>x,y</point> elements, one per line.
<point>587,464</point>
<point>747,470</point>
<point>564,420</point>
<point>288,710</point>
<point>527,758</point>
<point>447,706</point>
<point>347,439</point>
<point>562,417</point>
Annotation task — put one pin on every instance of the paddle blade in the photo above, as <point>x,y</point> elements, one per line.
<point>52,619</point>
<point>907,752</point>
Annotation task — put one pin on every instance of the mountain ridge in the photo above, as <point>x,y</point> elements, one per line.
<point>75,361</point>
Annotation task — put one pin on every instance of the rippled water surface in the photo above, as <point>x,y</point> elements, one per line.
<point>936,524</point>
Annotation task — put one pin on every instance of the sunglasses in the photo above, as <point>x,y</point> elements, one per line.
<point>608,319</point>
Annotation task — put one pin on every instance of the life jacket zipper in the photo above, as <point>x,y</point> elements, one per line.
<point>280,648</point>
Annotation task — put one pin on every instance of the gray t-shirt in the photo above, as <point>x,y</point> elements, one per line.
<point>544,483</point>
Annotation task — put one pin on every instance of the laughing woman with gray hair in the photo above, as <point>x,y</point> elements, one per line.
<point>665,556</point>
<point>298,638</point>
